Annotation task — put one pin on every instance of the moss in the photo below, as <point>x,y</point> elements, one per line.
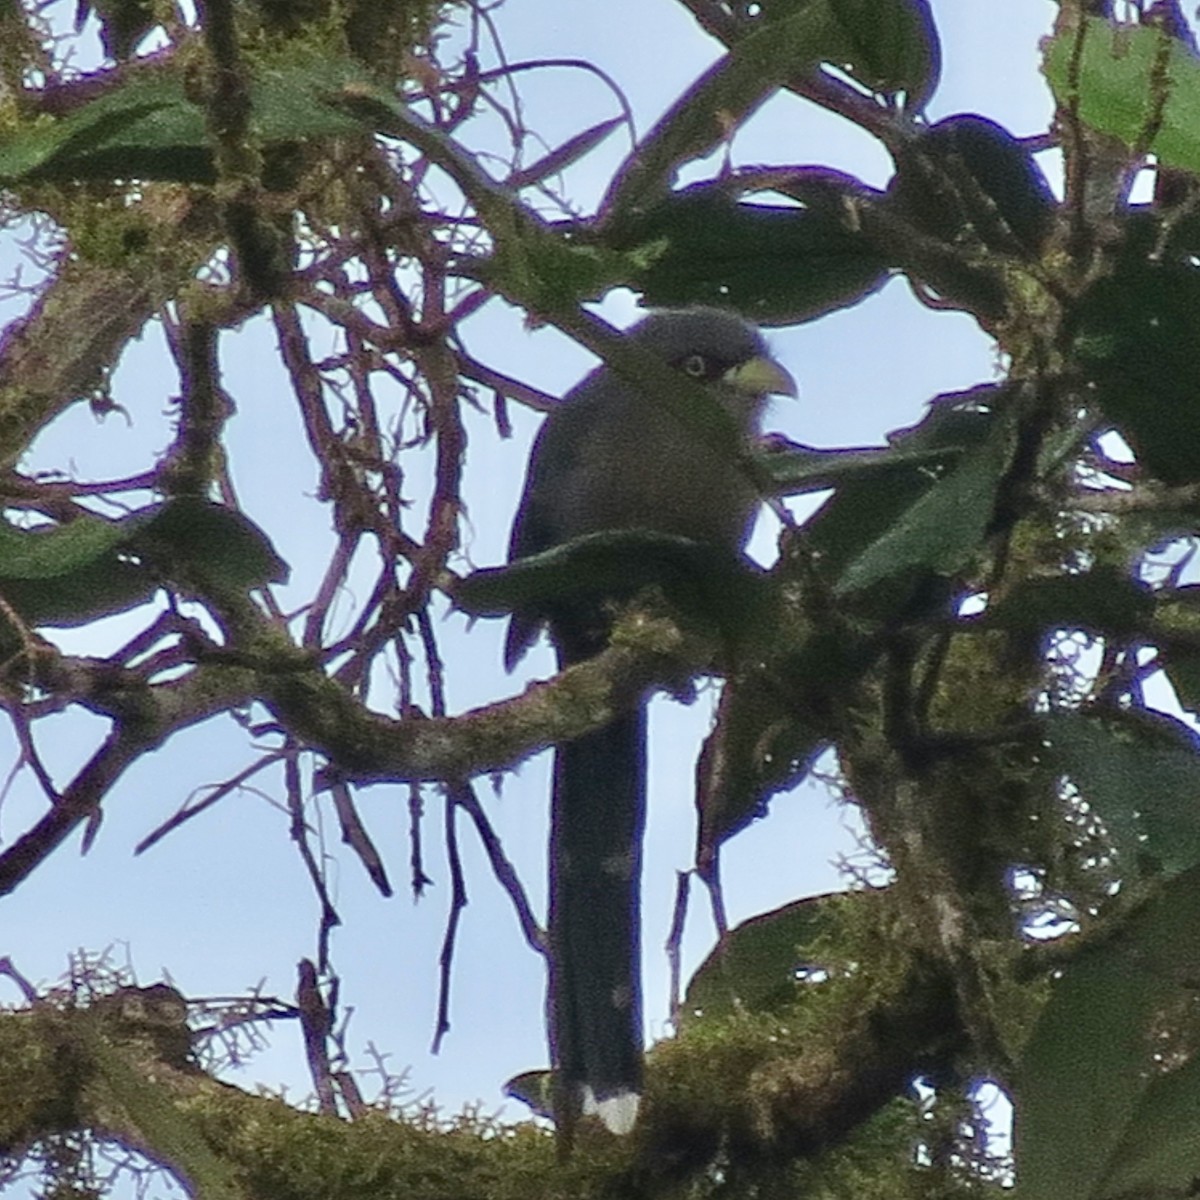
<point>723,1068</point>
<point>42,1067</point>
<point>291,1155</point>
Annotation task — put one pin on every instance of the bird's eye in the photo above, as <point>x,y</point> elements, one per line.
<point>696,366</point>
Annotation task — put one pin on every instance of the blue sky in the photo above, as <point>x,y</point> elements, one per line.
<point>222,905</point>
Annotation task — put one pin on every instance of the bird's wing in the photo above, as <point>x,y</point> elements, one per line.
<point>555,461</point>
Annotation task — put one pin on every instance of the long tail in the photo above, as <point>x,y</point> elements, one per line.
<point>599,814</point>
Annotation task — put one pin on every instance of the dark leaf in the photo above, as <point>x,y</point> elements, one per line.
<point>889,46</point>
<point>894,47</point>
<point>967,172</point>
<point>1135,336</point>
<point>776,264</point>
<point>1182,665</point>
<point>970,185</point>
<point>1105,600</point>
<point>797,469</point>
<point>721,99</point>
<point>1111,1067</point>
<point>698,578</point>
<point>944,528</point>
<point>766,962</point>
<point>1159,1149</point>
<point>760,745</point>
<point>199,540</point>
<point>561,157</point>
<point>110,584</point>
<point>71,574</point>
<point>90,568</point>
<point>863,510</point>
<point>788,674</point>
<point>1141,774</point>
<point>1179,609</point>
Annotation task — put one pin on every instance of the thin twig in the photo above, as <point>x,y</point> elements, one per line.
<point>329,918</point>
<point>458,901</point>
<point>418,880</point>
<point>506,385</point>
<point>354,834</point>
<point>217,793</point>
<point>674,943</point>
<point>315,1023</point>
<point>502,867</point>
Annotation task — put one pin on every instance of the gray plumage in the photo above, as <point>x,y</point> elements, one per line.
<point>612,458</point>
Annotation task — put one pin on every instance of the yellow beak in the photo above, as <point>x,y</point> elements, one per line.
<point>762,376</point>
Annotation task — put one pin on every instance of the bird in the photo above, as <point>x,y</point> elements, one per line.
<point>610,457</point>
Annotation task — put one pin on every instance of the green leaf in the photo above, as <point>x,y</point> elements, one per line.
<point>697,577</point>
<point>198,539</point>
<point>1136,83</point>
<point>721,99</point>
<point>149,129</point>
<point>863,509</point>
<point>765,963</point>
<point>146,129</point>
<point>1141,775</point>
<point>776,264</point>
<point>92,568</point>
<point>1109,1091</point>
<point>58,550</point>
<point>111,584</point>
<point>71,574</point>
<point>304,100</point>
<point>21,153</point>
<point>796,469</point>
<point>1159,1149</point>
<point>534,1088</point>
<point>943,529</point>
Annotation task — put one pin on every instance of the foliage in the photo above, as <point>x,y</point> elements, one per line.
<point>970,621</point>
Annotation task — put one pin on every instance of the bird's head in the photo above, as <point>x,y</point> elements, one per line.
<point>712,345</point>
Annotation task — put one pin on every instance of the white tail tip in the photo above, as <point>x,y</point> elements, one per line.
<point>618,1112</point>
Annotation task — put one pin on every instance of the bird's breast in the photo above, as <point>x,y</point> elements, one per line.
<point>656,477</point>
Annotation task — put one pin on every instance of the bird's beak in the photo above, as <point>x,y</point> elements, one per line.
<point>761,376</point>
